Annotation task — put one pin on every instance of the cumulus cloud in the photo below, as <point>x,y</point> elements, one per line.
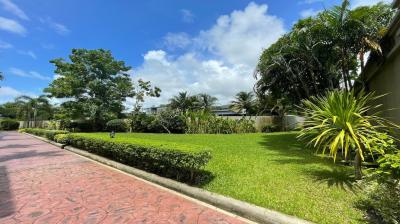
<point>14,9</point>
<point>30,74</point>
<point>219,61</point>
<point>12,26</point>
<point>187,16</point>
<point>309,12</point>
<point>8,93</point>
<point>240,37</point>
<point>59,28</point>
<point>177,40</point>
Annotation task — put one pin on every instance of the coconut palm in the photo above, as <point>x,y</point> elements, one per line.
<point>244,102</point>
<point>344,122</point>
<point>31,109</point>
<point>205,101</point>
<point>183,102</point>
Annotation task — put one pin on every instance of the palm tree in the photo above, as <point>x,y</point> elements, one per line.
<point>243,103</point>
<point>31,109</point>
<point>205,101</point>
<point>183,102</point>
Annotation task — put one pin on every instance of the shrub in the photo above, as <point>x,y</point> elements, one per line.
<point>381,200</point>
<point>9,124</point>
<point>62,138</point>
<point>49,134</point>
<point>203,122</point>
<point>141,122</point>
<point>343,121</point>
<point>79,126</point>
<point>167,162</point>
<point>270,128</point>
<point>118,125</point>
<point>171,121</point>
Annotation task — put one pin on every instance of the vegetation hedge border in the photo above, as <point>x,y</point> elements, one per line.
<point>172,163</point>
<point>49,134</point>
<point>8,124</point>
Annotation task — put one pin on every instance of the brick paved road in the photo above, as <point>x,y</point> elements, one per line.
<point>40,183</point>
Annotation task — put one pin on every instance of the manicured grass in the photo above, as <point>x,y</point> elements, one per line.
<point>269,170</point>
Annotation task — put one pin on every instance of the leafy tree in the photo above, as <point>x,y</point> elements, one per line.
<point>9,109</point>
<point>338,122</point>
<point>205,101</point>
<point>244,102</point>
<point>1,76</point>
<point>321,53</point>
<point>33,109</point>
<point>143,89</point>
<point>93,83</point>
<point>183,102</point>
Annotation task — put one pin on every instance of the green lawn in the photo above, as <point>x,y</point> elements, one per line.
<point>270,170</point>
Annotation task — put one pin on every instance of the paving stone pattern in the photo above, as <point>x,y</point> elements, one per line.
<point>40,183</point>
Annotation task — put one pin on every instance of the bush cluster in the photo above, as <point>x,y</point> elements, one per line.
<point>8,124</point>
<point>49,134</point>
<point>169,121</point>
<point>166,162</point>
<point>202,122</point>
<point>118,125</point>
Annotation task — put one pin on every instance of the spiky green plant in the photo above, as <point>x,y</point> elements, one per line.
<point>342,121</point>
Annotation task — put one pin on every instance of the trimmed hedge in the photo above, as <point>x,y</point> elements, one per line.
<point>8,124</point>
<point>49,134</point>
<point>172,163</point>
<point>118,125</point>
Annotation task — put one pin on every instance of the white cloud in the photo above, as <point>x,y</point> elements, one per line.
<point>357,3</point>
<point>14,9</point>
<point>8,93</point>
<point>219,61</point>
<point>12,26</point>
<point>309,12</point>
<point>59,28</point>
<point>177,40</point>
<point>240,37</point>
<point>5,45</point>
<point>27,53</point>
<point>30,74</point>
<point>187,16</point>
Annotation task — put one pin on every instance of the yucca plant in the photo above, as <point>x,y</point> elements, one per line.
<point>345,122</point>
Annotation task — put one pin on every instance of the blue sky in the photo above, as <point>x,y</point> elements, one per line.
<point>198,46</point>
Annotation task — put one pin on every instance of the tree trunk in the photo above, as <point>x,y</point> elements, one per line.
<point>357,166</point>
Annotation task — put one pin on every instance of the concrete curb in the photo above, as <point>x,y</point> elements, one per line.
<point>243,209</point>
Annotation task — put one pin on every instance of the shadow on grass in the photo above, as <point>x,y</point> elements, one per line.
<point>292,151</point>
<point>339,177</point>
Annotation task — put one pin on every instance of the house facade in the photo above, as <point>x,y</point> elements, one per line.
<point>382,74</point>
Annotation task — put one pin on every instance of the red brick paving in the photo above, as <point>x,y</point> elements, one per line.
<point>40,183</point>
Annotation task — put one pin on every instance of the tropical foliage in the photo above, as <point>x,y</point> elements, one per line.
<point>321,53</point>
<point>33,109</point>
<point>185,102</point>
<point>203,122</point>
<point>346,124</point>
<point>244,103</point>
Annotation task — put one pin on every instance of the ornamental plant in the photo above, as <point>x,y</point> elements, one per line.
<point>346,123</point>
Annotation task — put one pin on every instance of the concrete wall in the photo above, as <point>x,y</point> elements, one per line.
<point>32,124</point>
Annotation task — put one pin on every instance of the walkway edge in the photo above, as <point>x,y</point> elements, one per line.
<point>243,209</point>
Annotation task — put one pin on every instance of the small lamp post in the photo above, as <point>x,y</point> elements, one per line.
<point>112,134</point>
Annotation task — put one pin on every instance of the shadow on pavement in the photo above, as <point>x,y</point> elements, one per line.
<point>6,202</point>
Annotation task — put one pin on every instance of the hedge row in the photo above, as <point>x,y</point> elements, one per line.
<point>172,163</point>
<point>8,124</point>
<point>49,134</point>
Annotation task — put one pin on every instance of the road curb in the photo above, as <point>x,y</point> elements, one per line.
<point>243,209</point>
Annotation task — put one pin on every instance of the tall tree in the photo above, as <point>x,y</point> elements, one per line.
<point>183,102</point>
<point>33,109</point>
<point>205,101</point>
<point>243,103</point>
<point>321,53</point>
<point>93,83</point>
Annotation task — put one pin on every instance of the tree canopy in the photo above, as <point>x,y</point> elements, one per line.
<point>93,84</point>
<point>321,53</point>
